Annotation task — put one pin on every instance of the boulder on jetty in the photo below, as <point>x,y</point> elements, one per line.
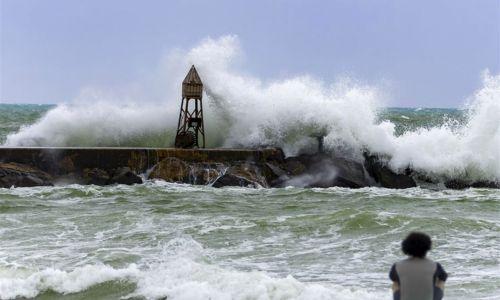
<point>384,176</point>
<point>233,180</point>
<point>101,177</point>
<point>457,184</point>
<point>320,170</point>
<point>124,175</point>
<point>95,176</point>
<point>20,175</point>
<point>242,174</point>
<point>172,169</point>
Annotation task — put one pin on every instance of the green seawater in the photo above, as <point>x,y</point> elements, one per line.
<point>161,240</point>
<point>190,242</point>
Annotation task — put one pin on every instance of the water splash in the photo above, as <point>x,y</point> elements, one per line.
<point>245,111</point>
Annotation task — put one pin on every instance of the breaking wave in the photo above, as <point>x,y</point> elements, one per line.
<point>181,275</point>
<point>245,111</point>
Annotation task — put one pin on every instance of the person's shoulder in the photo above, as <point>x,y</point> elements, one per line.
<point>437,264</point>
<point>430,260</point>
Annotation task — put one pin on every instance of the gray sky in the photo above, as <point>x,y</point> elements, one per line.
<point>427,52</point>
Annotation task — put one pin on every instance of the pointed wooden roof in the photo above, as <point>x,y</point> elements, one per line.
<point>192,77</point>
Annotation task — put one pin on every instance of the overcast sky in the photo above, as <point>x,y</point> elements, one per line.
<point>427,52</point>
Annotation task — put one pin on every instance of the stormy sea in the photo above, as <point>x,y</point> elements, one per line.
<point>162,240</point>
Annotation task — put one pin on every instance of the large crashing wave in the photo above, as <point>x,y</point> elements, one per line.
<point>245,111</point>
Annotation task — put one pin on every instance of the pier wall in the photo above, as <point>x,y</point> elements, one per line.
<point>70,160</point>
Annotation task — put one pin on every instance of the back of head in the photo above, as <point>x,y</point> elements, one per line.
<point>416,244</point>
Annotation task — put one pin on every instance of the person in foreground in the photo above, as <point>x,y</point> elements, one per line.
<point>417,277</point>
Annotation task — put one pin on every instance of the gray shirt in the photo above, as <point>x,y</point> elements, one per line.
<point>417,279</point>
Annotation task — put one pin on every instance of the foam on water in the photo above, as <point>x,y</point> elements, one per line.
<point>22,283</point>
<point>181,274</point>
<point>246,111</point>
<point>194,242</point>
<point>182,279</point>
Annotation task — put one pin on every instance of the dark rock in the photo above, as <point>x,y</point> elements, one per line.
<point>171,169</point>
<point>384,176</point>
<point>455,184</point>
<point>244,175</point>
<point>250,171</point>
<point>274,175</point>
<point>350,173</point>
<point>486,184</point>
<point>275,170</point>
<point>124,176</point>
<point>95,176</point>
<point>294,166</point>
<point>458,184</point>
<point>324,170</point>
<point>233,180</point>
<point>204,174</point>
<point>175,170</point>
<point>19,175</point>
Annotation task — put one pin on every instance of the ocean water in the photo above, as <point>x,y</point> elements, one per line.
<point>168,241</point>
<point>161,240</point>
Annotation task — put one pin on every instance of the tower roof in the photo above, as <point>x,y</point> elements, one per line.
<point>192,77</point>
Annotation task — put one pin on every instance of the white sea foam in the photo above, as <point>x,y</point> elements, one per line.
<point>472,151</point>
<point>243,110</point>
<point>15,284</point>
<point>179,275</point>
<point>95,122</point>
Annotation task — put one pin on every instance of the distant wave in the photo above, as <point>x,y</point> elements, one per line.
<point>245,111</point>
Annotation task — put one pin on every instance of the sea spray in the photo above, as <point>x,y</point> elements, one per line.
<point>244,111</point>
<point>471,151</point>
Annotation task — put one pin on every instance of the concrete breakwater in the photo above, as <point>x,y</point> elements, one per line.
<point>67,160</point>
<point>267,167</point>
<point>41,166</point>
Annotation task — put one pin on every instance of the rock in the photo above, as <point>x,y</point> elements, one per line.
<point>350,173</point>
<point>486,184</point>
<point>294,166</point>
<point>250,171</point>
<point>95,176</point>
<point>19,175</point>
<point>233,180</point>
<point>204,174</point>
<point>176,170</point>
<point>458,184</point>
<point>384,176</point>
<point>274,174</point>
<point>171,169</point>
<point>455,184</point>
<point>124,176</point>
<point>244,175</point>
<point>324,170</point>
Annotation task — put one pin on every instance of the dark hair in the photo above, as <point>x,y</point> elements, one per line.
<point>416,244</point>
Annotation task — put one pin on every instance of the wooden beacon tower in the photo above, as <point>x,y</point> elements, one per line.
<point>190,128</point>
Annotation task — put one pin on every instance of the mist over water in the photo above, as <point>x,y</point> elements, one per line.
<point>244,111</point>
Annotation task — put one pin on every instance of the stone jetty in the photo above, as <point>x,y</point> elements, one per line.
<point>266,167</point>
